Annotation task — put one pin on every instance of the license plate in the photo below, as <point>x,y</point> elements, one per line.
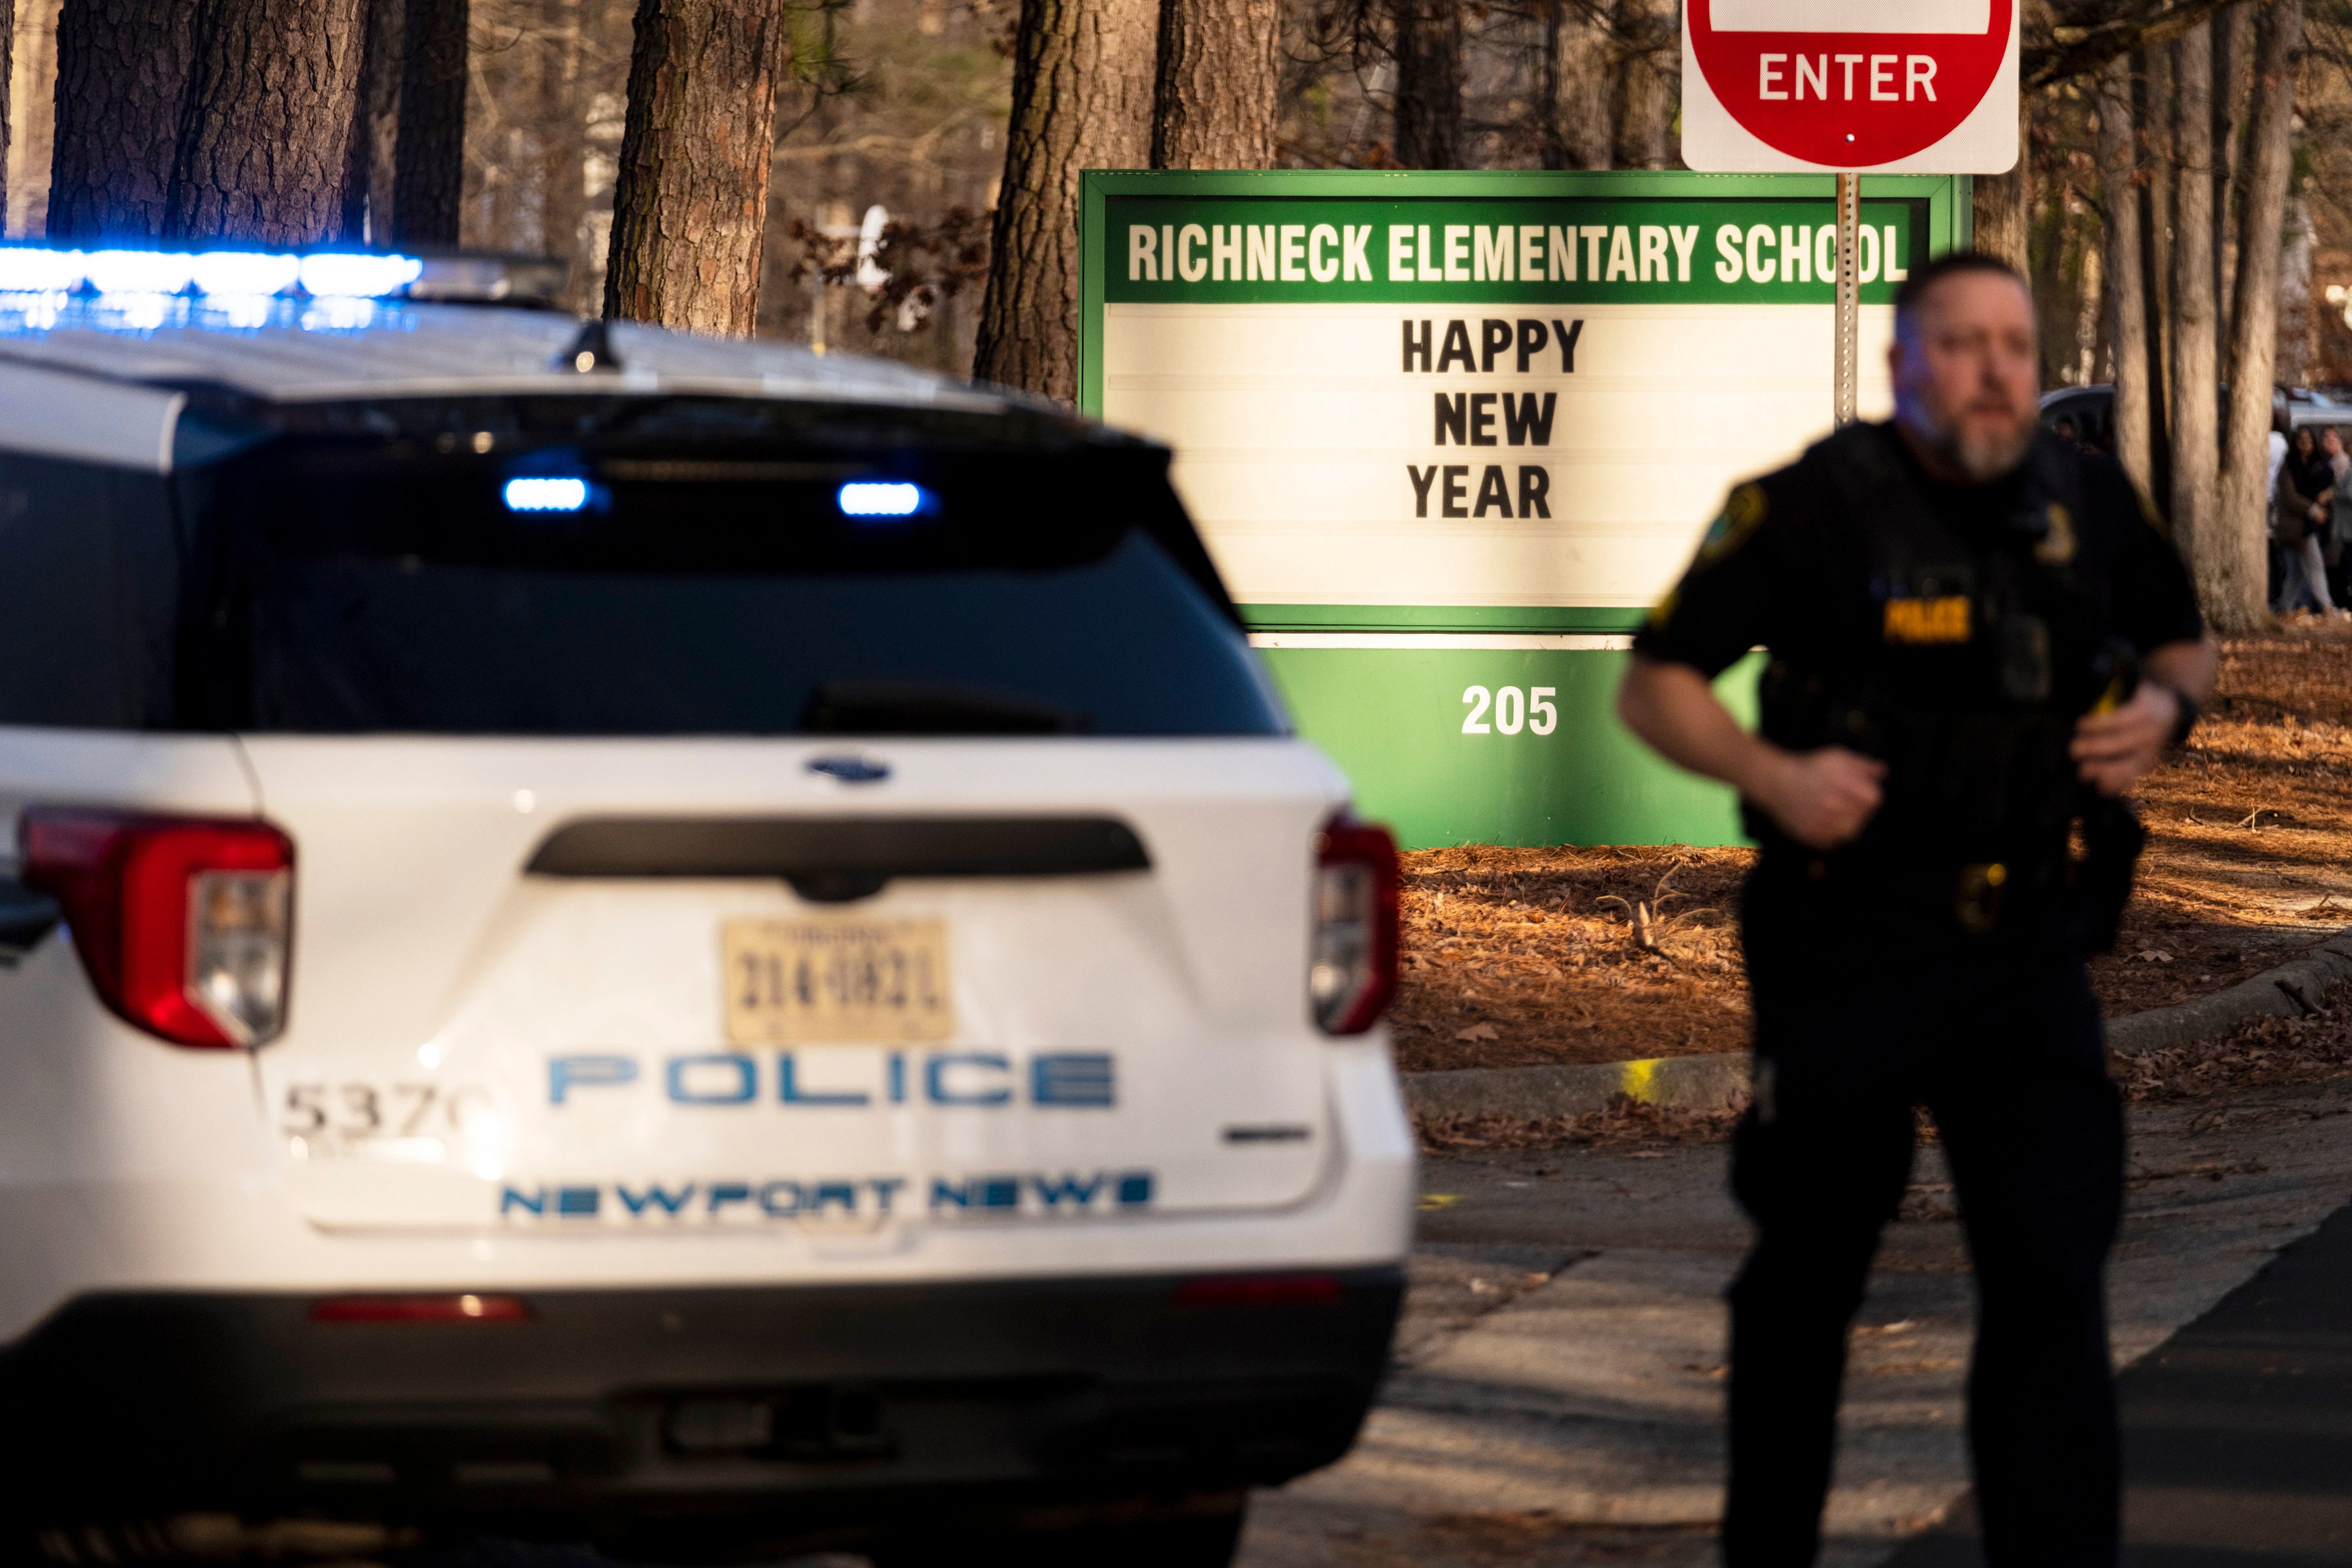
<point>836,982</point>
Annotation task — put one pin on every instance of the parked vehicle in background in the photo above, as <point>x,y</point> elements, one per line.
<point>2088,413</point>
<point>635,938</point>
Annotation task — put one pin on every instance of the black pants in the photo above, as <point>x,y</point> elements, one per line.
<point>2007,1054</point>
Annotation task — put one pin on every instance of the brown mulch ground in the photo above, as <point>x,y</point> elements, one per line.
<point>1520,956</point>
<point>2266,1053</point>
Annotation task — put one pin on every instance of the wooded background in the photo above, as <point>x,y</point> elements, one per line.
<point>2184,206</point>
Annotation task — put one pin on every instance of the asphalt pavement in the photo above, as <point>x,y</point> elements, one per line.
<point>2238,1430</point>
<point>1556,1395</point>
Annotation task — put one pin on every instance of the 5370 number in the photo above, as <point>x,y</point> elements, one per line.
<point>1513,709</point>
<point>379,1110</point>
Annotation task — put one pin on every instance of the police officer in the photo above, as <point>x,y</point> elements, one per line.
<point>1977,641</point>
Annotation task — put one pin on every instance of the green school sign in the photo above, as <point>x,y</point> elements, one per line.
<point>1448,434</point>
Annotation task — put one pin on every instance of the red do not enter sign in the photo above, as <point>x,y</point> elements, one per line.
<point>1927,86</point>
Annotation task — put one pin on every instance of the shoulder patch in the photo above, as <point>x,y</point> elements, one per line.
<point>2057,545</point>
<point>1743,511</point>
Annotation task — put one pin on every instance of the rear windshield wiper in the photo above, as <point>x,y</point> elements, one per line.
<point>907,708</point>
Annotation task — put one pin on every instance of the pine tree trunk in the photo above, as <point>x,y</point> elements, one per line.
<point>1579,130</point>
<point>1219,70</point>
<point>690,203</point>
<point>2196,370</point>
<point>428,169</point>
<point>2154,120</point>
<point>1083,78</point>
<point>1646,101</point>
<point>1428,48</point>
<point>7,70</point>
<point>33,117</point>
<point>122,79</point>
<point>268,117</point>
<point>367,161</point>
<point>2233,55</point>
<point>2127,302</point>
<point>563,145</point>
<point>2238,603</point>
<point>2003,212</point>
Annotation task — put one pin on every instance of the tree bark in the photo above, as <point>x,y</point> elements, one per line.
<point>563,145</point>
<point>1646,101</point>
<point>1578,129</point>
<point>2155,121</point>
<point>428,172</point>
<point>2237,601</point>
<point>2196,370</point>
<point>2233,48</point>
<point>32,115</point>
<point>2003,209</point>
<point>690,203</point>
<point>7,70</point>
<point>1428,48</point>
<point>1220,71</point>
<point>2126,303</point>
<point>1082,87</point>
<point>266,123</point>
<point>122,79</point>
<point>367,161</point>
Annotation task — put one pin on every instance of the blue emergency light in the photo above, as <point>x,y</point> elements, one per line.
<point>240,274</point>
<point>875,498</point>
<point>546,495</point>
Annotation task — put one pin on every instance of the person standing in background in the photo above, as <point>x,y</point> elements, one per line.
<point>2304,509</point>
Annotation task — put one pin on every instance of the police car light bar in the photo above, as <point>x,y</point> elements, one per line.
<point>546,495</point>
<point>869,498</point>
<point>259,274</point>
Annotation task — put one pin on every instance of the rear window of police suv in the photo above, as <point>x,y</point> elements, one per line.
<point>341,583</point>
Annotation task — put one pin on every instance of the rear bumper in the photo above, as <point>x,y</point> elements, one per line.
<point>809,1408</point>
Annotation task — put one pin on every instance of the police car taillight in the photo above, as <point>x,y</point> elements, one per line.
<point>1351,970</point>
<point>185,925</point>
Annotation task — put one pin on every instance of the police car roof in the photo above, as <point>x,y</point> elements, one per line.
<point>73,350</point>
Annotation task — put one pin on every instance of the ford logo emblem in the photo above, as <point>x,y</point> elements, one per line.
<point>850,769</point>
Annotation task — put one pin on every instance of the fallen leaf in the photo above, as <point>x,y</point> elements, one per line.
<point>2153,955</point>
<point>1477,1032</point>
<point>1429,1201</point>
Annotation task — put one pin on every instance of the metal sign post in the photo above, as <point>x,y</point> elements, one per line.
<point>1849,295</point>
<point>1924,86</point>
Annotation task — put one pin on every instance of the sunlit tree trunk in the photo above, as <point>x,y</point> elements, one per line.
<point>122,79</point>
<point>270,102</point>
<point>2233,58</point>
<point>2003,212</point>
<point>1219,70</point>
<point>428,170</point>
<point>1083,80</point>
<point>691,203</point>
<point>1574,76</point>
<point>2237,602</point>
<point>1427,42</point>
<point>367,161</point>
<point>1646,100</point>
<point>2152,120</point>
<point>2196,369</point>
<point>2126,303</point>
<point>562,144</point>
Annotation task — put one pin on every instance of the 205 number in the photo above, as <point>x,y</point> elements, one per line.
<point>1513,709</point>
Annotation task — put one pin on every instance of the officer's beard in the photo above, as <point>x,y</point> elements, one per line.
<point>1976,451</point>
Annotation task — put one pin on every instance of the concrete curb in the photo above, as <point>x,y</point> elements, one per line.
<point>1717,1082</point>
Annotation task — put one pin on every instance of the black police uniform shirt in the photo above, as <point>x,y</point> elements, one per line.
<point>1789,567</point>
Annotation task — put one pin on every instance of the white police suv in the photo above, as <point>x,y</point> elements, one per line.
<point>632,938</point>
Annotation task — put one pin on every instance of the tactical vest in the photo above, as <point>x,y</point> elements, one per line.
<point>1985,652</point>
